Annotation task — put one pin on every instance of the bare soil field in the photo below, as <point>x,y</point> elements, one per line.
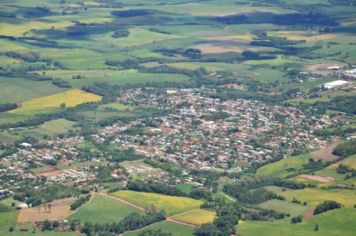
<point>325,153</point>
<point>316,178</point>
<point>59,211</point>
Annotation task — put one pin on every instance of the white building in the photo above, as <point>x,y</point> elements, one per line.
<point>335,84</point>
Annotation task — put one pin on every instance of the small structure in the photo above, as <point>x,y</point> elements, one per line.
<point>335,84</point>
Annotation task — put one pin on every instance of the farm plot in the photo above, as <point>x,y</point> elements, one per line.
<point>70,98</point>
<point>195,217</point>
<point>103,210</point>
<point>60,210</point>
<point>170,204</point>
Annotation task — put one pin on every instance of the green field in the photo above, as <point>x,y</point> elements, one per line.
<point>103,210</point>
<point>284,167</point>
<point>8,218</point>
<point>332,223</point>
<point>314,196</point>
<point>170,204</point>
<point>284,207</point>
<point>166,227</point>
<point>19,89</point>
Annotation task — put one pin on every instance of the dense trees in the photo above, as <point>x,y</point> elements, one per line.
<point>345,149</point>
<point>326,206</point>
<point>7,107</point>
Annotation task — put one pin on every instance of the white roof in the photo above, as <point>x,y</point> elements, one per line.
<point>335,83</point>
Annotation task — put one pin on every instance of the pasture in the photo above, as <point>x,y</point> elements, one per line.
<point>195,217</point>
<point>284,207</point>
<point>315,196</point>
<point>102,210</point>
<point>170,204</point>
<point>284,167</point>
<point>332,223</point>
<point>70,98</point>
<point>166,227</point>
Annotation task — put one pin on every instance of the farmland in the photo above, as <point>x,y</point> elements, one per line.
<point>196,217</point>
<point>338,222</point>
<point>171,205</point>
<point>177,117</point>
<point>165,227</point>
<point>70,98</point>
<point>102,210</point>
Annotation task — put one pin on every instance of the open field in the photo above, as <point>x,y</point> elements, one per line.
<point>284,207</point>
<point>332,223</point>
<point>114,77</point>
<point>170,204</point>
<point>19,89</point>
<point>195,217</point>
<point>314,196</point>
<point>166,227</point>
<point>102,210</point>
<point>60,210</point>
<point>284,168</point>
<point>70,98</point>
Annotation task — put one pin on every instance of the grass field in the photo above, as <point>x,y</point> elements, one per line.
<point>315,196</point>
<point>284,168</point>
<point>170,204</point>
<point>70,98</point>
<point>332,223</point>
<point>19,89</point>
<point>196,216</point>
<point>7,218</point>
<point>284,207</point>
<point>103,210</point>
<point>166,227</point>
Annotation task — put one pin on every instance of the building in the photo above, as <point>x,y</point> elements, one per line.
<point>335,84</point>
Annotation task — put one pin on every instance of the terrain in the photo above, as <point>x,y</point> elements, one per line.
<point>177,117</point>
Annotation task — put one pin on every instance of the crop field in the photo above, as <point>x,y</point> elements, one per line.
<point>102,210</point>
<point>332,223</point>
<point>70,98</point>
<point>166,227</point>
<point>114,77</point>
<point>170,204</point>
<point>19,89</point>
<point>196,217</point>
<point>315,196</point>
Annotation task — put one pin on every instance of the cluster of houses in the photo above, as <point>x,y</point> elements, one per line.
<point>200,131</point>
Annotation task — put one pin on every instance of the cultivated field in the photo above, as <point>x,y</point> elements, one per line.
<point>170,204</point>
<point>70,98</point>
<point>195,217</point>
<point>102,210</point>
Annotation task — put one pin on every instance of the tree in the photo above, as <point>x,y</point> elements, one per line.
<point>207,230</point>
<point>62,106</point>
<point>316,227</point>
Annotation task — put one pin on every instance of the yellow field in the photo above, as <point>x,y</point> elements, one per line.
<point>300,35</point>
<point>196,217</point>
<point>350,162</point>
<point>170,204</point>
<point>71,98</point>
<point>316,196</point>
